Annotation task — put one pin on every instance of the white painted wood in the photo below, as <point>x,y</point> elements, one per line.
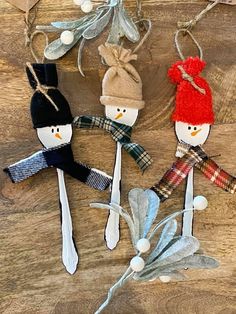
<point>188,216</point>
<point>69,254</point>
<point>112,232</point>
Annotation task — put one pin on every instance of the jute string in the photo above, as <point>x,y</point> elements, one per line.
<point>29,35</point>
<point>29,20</point>
<point>190,24</point>
<point>29,42</point>
<point>148,26</point>
<point>40,87</point>
<point>185,75</point>
<point>144,24</point>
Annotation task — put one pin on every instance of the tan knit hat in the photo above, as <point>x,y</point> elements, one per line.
<point>121,85</point>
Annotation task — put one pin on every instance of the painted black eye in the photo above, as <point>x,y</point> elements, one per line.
<point>195,128</point>
<point>52,130</point>
<point>118,109</point>
<point>189,127</point>
<point>57,129</point>
<point>124,110</point>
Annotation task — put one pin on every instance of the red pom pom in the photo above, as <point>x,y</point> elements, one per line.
<point>192,66</point>
<point>174,73</point>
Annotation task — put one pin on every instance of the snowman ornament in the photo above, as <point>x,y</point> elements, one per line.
<point>122,99</point>
<point>52,119</point>
<point>193,116</point>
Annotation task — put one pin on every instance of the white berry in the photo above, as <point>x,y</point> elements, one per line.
<point>78,2</point>
<point>200,202</point>
<point>137,263</point>
<point>143,245</point>
<point>165,278</point>
<point>67,37</point>
<point>87,6</point>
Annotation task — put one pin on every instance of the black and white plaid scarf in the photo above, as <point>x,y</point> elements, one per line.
<point>120,133</point>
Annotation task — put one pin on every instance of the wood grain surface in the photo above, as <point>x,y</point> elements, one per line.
<point>32,277</point>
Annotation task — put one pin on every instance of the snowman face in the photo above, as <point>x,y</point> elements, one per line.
<point>192,134</point>
<point>52,136</point>
<point>122,115</point>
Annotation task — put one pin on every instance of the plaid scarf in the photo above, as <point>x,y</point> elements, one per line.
<point>120,133</point>
<point>193,156</point>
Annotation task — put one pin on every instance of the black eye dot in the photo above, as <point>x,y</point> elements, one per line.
<point>189,127</point>
<point>195,128</point>
<point>52,130</point>
<point>118,109</point>
<point>124,110</point>
<point>57,129</point>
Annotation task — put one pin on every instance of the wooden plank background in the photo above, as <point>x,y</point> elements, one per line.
<point>32,277</point>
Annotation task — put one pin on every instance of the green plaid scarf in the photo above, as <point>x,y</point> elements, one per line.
<point>120,133</point>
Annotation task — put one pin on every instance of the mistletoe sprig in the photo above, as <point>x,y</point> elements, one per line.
<point>89,27</point>
<point>169,255</point>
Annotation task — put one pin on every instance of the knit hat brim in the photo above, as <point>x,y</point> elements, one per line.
<point>123,102</point>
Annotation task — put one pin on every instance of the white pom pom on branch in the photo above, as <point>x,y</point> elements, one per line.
<point>143,245</point>
<point>165,279</point>
<point>200,202</point>
<point>87,6</point>
<point>137,263</point>
<point>67,37</point>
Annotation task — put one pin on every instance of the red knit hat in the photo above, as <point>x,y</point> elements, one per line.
<point>193,102</point>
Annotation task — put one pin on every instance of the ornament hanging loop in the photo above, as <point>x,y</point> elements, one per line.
<point>31,46</point>
<point>29,37</point>
<point>182,30</point>
<point>139,12</point>
<point>148,26</point>
<point>184,74</point>
<point>143,23</point>
<point>140,16</point>
<point>29,21</point>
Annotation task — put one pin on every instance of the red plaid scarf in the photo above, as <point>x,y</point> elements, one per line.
<point>194,156</point>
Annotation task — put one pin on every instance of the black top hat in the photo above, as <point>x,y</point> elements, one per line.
<point>46,74</point>
<point>43,112</point>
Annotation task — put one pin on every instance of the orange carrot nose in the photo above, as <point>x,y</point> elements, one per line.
<point>57,135</point>
<point>196,132</point>
<point>120,115</point>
